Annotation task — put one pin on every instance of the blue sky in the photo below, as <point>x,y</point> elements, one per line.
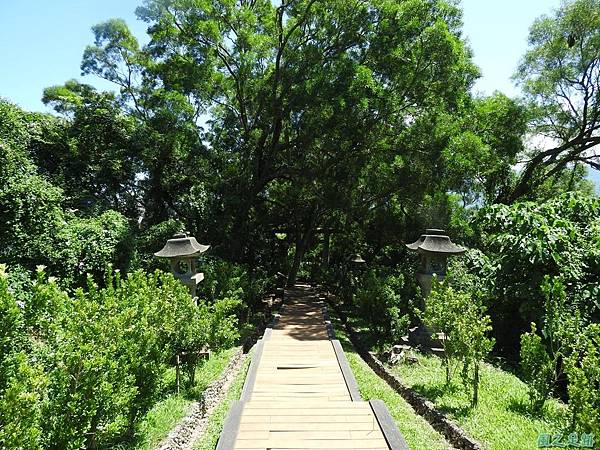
<point>42,41</point>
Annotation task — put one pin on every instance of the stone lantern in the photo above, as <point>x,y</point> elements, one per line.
<point>182,251</point>
<point>352,270</point>
<point>434,247</point>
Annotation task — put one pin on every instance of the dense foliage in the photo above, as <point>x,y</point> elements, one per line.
<point>36,227</point>
<point>306,124</point>
<point>582,367</point>
<point>528,241</point>
<point>378,301</point>
<point>92,363</point>
<point>566,348</point>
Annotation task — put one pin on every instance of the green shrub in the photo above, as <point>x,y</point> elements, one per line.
<point>222,326</point>
<point>527,241</point>
<point>569,344</point>
<point>465,325</point>
<point>582,367</point>
<point>92,385</point>
<point>118,342</point>
<point>223,279</point>
<point>92,363</point>
<point>21,396</point>
<point>541,355</point>
<point>379,301</point>
<point>471,273</point>
<point>21,383</point>
<point>11,320</point>
<point>539,369</point>
<point>45,304</point>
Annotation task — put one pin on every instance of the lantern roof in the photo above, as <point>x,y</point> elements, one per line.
<point>357,259</point>
<point>181,245</point>
<point>435,241</point>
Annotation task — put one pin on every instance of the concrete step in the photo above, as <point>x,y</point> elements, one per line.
<point>438,351</point>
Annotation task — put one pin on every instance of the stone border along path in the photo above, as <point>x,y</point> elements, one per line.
<point>189,429</point>
<point>422,406</point>
<point>300,392</point>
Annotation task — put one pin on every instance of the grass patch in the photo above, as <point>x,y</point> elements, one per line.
<point>500,420</point>
<point>165,414</point>
<point>209,439</point>
<point>417,432</point>
<point>159,421</point>
<point>211,370</point>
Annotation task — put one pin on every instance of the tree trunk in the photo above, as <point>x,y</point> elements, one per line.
<point>326,247</point>
<point>446,359</point>
<point>476,385</point>
<point>239,239</point>
<point>91,441</point>
<point>301,244</point>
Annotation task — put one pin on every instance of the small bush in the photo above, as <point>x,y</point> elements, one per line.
<point>569,345</point>
<point>379,301</point>
<point>538,368</point>
<point>540,355</point>
<point>21,396</point>
<point>21,382</point>
<point>223,279</point>
<point>582,367</point>
<point>465,325</point>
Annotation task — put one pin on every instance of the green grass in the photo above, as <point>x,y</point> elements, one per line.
<point>500,420</point>
<point>211,370</point>
<point>159,421</point>
<point>217,418</point>
<point>417,432</point>
<point>165,414</point>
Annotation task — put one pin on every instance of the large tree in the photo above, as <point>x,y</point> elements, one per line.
<point>94,158</point>
<point>560,76</point>
<point>296,116</point>
<point>35,227</point>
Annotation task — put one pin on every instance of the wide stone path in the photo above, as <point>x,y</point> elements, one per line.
<point>300,393</point>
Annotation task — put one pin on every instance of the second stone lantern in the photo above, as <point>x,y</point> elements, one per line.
<point>182,251</point>
<point>434,247</point>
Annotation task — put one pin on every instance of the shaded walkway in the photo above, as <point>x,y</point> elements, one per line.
<point>300,393</point>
